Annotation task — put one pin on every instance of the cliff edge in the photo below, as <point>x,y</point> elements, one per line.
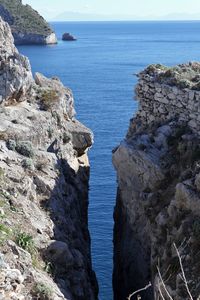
<point>44,174</point>
<point>158,201</point>
<point>27,26</point>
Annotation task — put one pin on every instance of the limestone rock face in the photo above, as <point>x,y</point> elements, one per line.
<point>66,101</point>
<point>44,175</point>
<point>15,72</point>
<point>24,38</point>
<point>158,202</point>
<point>51,39</point>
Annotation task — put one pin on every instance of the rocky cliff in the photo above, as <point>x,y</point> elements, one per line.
<point>28,27</point>
<point>158,201</point>
<point>44,173</point>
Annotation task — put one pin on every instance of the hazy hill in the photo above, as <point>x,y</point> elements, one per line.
<point>78,16</point>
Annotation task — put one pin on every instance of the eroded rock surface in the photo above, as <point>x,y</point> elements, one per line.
<point>15,72</point>
<point>44,174</point>
<point>158,202</point>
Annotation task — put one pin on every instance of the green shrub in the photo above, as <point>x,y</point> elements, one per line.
<point>5,232</point>
<point>11,145</point>
<point>182,76</point>
<point>42,291</point>
<point>25,149</point>
<point>28,164</point>
<point>25,241</point>
<point>4,229</point>
<point>66,138</point>
<point>49,268</point>
<point>50,132</point>
<point>152,68</point>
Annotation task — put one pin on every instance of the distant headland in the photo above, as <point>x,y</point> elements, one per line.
<point>27,25</point>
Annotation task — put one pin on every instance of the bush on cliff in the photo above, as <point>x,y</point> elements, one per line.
<point>182,76</point>
<point>48,99</point>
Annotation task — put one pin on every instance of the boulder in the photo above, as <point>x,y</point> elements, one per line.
<point>68,37</point>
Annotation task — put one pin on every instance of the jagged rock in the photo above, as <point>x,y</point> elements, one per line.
<point>62,98</point>
<point>44,174</point>
<point>158,202</point>
<point>60,255</point>
<point>15,71</point>
<point>68,37</point>
<point>197,182</point>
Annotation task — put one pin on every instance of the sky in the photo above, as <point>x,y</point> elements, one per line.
<point>145,9</point>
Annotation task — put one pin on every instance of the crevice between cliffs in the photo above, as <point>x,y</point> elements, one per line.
<point>44,173</point>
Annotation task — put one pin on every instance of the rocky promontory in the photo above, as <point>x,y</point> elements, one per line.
<point>157,214</point>
<point>27,26</point>
<point>44,174</point>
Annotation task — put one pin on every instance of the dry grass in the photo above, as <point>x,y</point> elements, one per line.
<point>48,99</point>
<point>162,286</point>
<point>3,136</point>
<point>140,290</point>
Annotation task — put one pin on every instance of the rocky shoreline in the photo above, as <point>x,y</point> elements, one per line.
<point>34,39</point>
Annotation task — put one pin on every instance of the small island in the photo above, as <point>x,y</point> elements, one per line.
<point>68,37</point>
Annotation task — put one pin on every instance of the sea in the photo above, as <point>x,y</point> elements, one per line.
<point>101,68</point>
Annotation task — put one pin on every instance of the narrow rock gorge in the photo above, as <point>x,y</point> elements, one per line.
<point>44,173</point>
<point>158,200</point>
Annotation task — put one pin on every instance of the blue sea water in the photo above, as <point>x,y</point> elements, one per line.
<point>100,68</point>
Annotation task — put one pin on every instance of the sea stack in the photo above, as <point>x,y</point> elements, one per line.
<point>68,37</point>
<point>27,25</point>
<point>158,204</point>
<point>44,182</point>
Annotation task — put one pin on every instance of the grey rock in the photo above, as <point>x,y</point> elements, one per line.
<point>60,254</point>
<point>15,71</point>
<point>65,98</point>
<point>44,187</point>
<point>68,37</point>
<point>158,202</point>
<point>34,38</point>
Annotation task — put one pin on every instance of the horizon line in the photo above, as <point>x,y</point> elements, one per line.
<point>127,20</point>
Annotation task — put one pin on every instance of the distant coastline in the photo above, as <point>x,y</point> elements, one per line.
<point>120,21</point>
<point>89,17</point>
